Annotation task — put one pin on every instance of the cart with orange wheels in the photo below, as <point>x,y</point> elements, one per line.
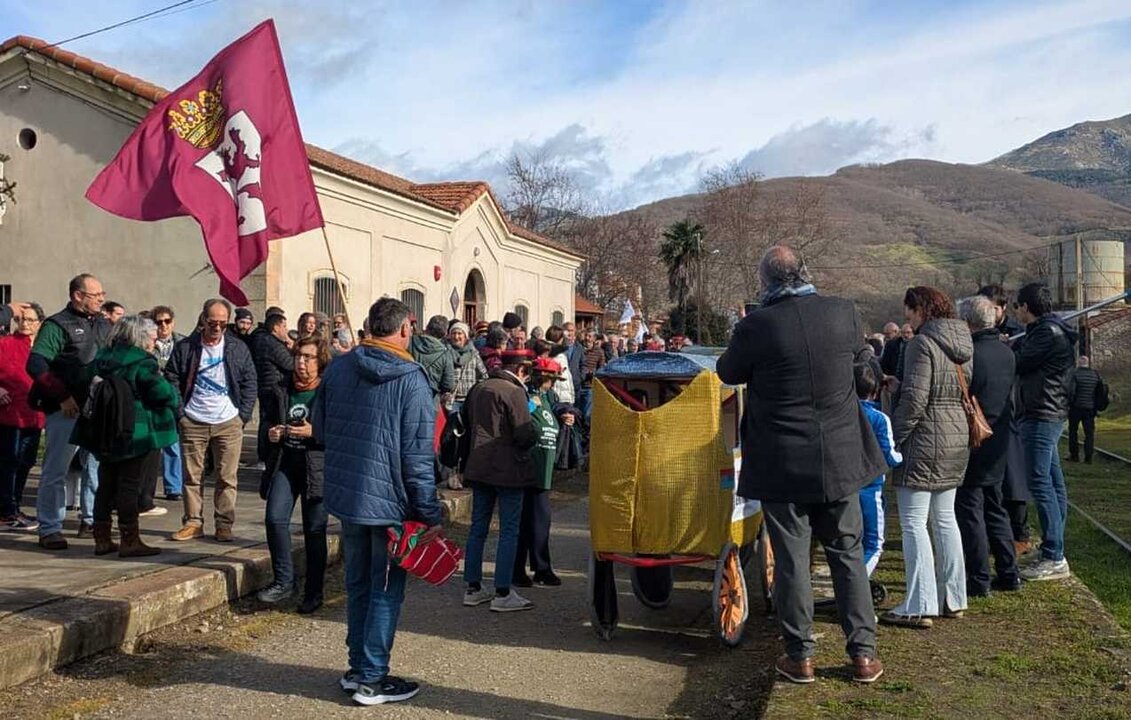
<point>663,466</point>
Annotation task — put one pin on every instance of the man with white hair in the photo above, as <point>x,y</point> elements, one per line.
<point>809,449</point>
<point>983,519</point>
<point>1085,387</point>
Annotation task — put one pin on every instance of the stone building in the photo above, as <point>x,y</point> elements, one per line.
<point>444,248</point>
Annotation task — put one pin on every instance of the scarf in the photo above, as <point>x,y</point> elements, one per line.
<point>389,348</point>
<point>779,292</point>
<point>300,386</point>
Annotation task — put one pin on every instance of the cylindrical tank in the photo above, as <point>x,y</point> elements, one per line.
<point>1103,271</point>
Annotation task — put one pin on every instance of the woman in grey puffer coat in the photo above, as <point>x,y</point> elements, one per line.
<point>931,432</point>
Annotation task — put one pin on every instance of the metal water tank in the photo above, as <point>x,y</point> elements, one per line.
<point>1103,271</point>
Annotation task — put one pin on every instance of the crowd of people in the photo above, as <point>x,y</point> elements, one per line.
<point>365,426</point>
<point>965,403</point>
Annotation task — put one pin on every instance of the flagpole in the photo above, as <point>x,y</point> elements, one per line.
<point>341,288</point>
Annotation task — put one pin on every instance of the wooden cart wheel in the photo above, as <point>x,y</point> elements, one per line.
<point>729,599</point>
<point>602,597</point>
<point>652,586</point>
<point>766,568</point>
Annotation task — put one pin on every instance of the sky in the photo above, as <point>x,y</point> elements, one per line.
<point>640,99</point>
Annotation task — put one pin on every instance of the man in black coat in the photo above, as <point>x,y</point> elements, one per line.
<point>273,366</point>
<point>1083,385</point>
<point>983,519</point>
<point>808,449</point>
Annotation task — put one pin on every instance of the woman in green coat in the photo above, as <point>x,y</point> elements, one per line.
<point>127,356</point>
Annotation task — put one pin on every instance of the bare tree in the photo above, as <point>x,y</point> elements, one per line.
<point>543,195</point>
<point>620,257</point>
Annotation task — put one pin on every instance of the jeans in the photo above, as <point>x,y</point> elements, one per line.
<point>51,499</point>
<point>838,525</point>
<point>936,576</point>
<point>1046,482</point>
<point>483,499</point>
<point>585,402</point>
<point>172,469</point>
<point>374,594</point>
<point>281,498</point>
<point>18,449</point>
<point>118,487</point>
<point>1075,418</point>
<point>872,510</point>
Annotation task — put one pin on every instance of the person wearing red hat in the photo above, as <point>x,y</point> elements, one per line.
<point>534,529</point>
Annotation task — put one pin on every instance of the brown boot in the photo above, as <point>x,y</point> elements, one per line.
<point>103,544</point>
<point>132,546</point>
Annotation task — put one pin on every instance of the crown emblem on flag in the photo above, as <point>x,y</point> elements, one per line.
<point>200,121</point>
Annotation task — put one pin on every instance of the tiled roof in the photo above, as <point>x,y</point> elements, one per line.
<point>453,197</point>
<point>584,307</point>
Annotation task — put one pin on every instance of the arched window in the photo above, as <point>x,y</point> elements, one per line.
<point>523,312</point>
<point>415,301</point>
<point>326,297</point>
<point>558,318</point>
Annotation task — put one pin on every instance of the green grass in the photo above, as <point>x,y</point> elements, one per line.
<point>1114,434</point>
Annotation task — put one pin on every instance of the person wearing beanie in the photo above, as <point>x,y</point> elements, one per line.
<point>480,339</point>
<point>469,367</point>
<point>511,322</point>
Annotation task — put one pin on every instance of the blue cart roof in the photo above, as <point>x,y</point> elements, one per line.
<point>659,364</point>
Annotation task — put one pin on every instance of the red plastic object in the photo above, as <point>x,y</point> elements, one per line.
<point>433,562</point>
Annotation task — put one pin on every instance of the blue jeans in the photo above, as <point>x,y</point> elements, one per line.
<point>585,403</point>
<point>172,469</point>
<point>483,499</point>
<point>872,510</point>
<point>374,593</point>
<point>51,498</point>
<point>18,448</point>
<point>1046,482</point>
<point>281,498</point>
<point>936,575</point>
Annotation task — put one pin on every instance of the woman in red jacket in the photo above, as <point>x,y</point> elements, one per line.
<point>20,426</point>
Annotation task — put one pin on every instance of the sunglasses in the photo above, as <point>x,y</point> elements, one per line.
<point>216,323</point>
<point>165,321</point>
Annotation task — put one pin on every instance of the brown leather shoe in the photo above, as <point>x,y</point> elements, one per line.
<point>866,669</point>
<point>224,535</point>
<point>103,540</point>
<point>796,671</point>
<point>188,532</point>
<point>1021,547</point>
<point>54,541</point>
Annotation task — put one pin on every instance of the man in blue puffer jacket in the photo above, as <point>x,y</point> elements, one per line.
<point>375,415</point>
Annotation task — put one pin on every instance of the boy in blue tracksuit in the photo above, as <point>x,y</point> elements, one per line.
<point>868,388</point>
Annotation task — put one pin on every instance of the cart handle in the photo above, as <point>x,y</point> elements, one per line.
<point>653,562</point>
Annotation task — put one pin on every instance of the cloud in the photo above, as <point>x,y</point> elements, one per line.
<point>827,145</point>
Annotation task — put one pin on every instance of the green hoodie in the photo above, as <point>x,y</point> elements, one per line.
<point>155,400</point>
<point>436,359</point>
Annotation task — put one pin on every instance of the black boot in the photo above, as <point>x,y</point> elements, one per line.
<point>103,542</point>
<point>132,546</point>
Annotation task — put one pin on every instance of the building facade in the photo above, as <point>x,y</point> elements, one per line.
<point>444,248</point>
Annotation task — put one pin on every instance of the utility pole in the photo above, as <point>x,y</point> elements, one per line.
<point>699,298</point>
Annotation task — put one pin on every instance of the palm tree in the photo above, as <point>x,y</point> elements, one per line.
<point>679,251</point>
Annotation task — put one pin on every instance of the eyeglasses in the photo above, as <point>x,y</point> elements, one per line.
<point>29,320</point>
<point>94,295</point>
<point>304,357</point>
<point>164,321</point>
<point>216,323</point>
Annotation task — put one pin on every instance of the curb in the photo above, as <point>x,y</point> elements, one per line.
<point>58,633</point>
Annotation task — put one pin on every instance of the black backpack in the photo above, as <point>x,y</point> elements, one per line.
<point>106,425</point>
<point>1101,397</point>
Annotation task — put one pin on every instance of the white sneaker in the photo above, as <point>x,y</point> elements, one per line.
<point>1046,570</point>
<point>474,598</point>
<point>154,511</point>
<point>512,602</point>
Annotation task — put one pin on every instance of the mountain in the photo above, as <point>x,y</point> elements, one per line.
<point>908,222</point>
<point>1094,156</point>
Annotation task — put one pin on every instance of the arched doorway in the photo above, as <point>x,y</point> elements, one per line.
<point>474,298</point>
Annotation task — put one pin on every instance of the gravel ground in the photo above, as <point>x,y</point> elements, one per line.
<point>247,661</point>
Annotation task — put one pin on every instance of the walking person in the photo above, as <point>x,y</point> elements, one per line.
<point>983,518</point>
<point>66,344</point>
<point>499,468</point>
<point>1084,386</point>
<point>815,451</point>
<point>374,414</point>
<point>127,357</point>
<point>1044,363</point>
<point>172,468</point>
<point>20,424</point>
<point>215,377</point>
<point>295,463</point>
<point>932,434</point>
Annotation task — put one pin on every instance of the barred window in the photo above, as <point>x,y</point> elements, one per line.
<point>415,301</point>
<point>326,297</point>
<point>523,312</point>
<point>558,318</point>
<point>5,294</point>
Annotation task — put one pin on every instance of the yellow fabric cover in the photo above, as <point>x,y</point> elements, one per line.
<point>655,483</point>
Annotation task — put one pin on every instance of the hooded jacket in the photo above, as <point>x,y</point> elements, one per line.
<point>930,425</point>
<point>155,398</point>
<point>436,359</point>
<point>1045,358</point>
<point>375,416</point>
